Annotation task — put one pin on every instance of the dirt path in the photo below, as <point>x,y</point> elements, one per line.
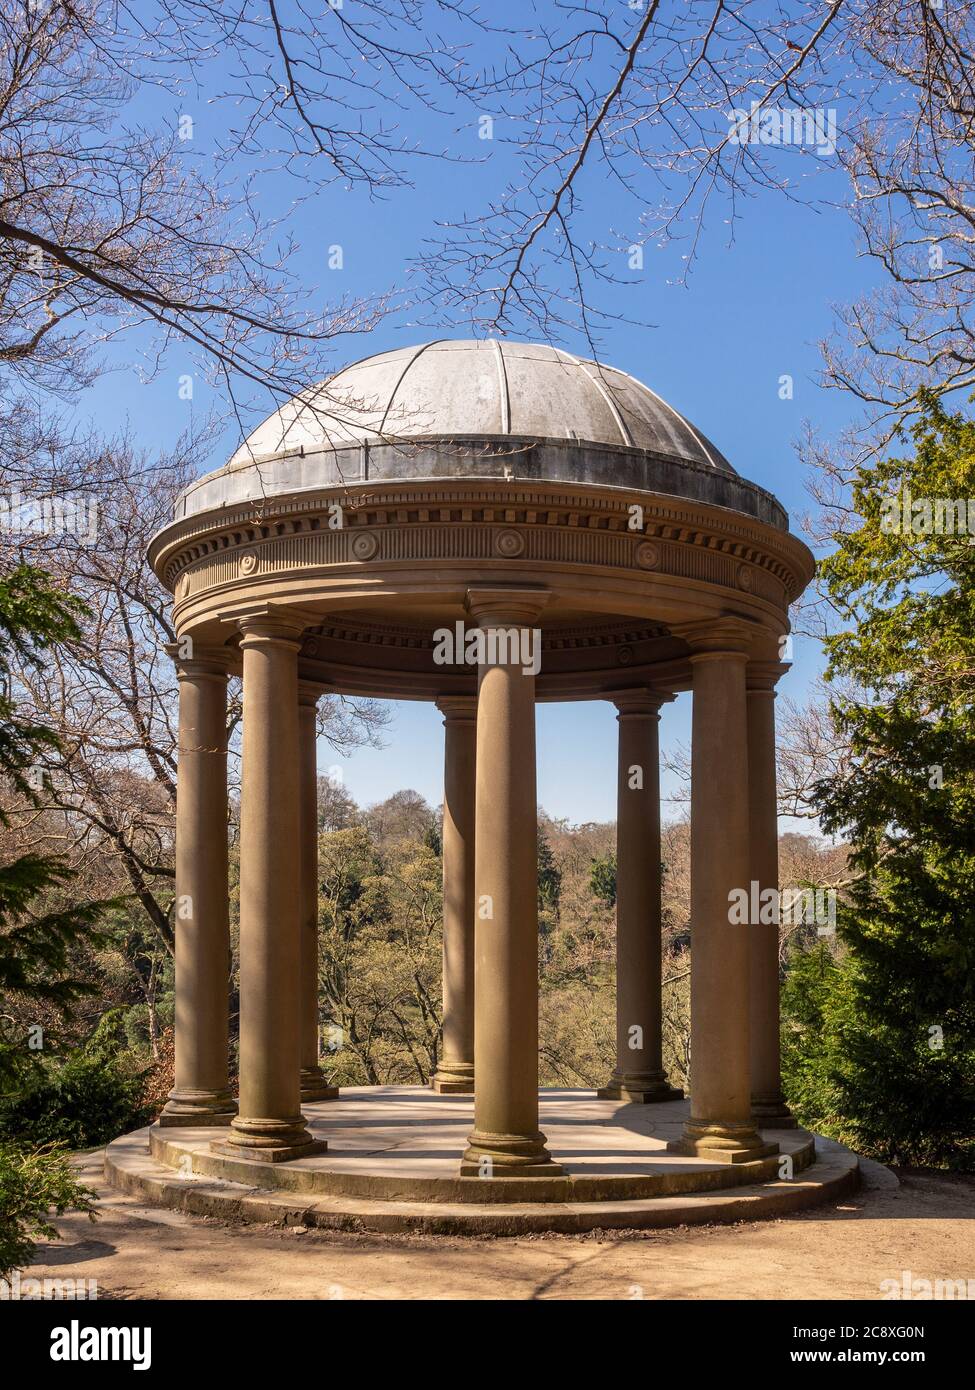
<point>927,1226</point>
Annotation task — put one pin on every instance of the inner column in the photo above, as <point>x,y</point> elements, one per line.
<point>639,1075</point>
<point>506,1139</point>
<point>455,1074</point>
<point>768,1103</point>
<point>314,1085</point>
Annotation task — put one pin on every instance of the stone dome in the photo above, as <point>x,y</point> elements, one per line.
<point>487,388</point>
<point>487,409</point>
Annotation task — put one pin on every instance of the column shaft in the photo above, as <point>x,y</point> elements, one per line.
<point>201,1094</point>
<point>638,1076</point>
<point>270,1126</point>
<point>314,1085</point>
<point>456,1070</point>
<point>768,1104</point>
<point>720,1126</point>
<point>506,1138</point>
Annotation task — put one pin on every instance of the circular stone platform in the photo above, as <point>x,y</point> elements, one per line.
<point>393,1164</point>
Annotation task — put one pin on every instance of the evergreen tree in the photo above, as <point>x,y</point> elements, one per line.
<point>896,1025</point>
<point>34,945</point>
<point>602,879</point>
<point>36,929</point>
<point>549,876</point>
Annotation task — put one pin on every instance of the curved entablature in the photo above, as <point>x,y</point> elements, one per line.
<point>369,535</point>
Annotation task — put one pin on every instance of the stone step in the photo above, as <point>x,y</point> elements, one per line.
<point>130,1168</point>
<point>398,1177</point>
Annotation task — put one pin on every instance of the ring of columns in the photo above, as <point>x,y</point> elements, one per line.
<point>349,587</point>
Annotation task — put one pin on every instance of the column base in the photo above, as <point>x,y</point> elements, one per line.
<point>508,1156</point>
<point>268,1141</point>
<point>187,1108</point>
<point>315,1086</point>
<point>635,1088</point>
<point>453,1078</point>
<point>771,1112</point>
<point>722,1143</point>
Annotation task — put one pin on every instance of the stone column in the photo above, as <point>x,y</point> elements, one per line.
<point>201,1095</point>
<point>456,1070</point>
<point>270,1126</point>
<point>314,1085</point>
<point>720,1127</point>
<point>769,1109</point>
<point>639,1075</point>
<point>506,1139</point>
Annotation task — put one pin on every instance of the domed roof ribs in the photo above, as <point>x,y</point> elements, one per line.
<point>399,380</point>
<point>614,409</point>
<point>459,394</point>
<point>503,388</point>
<point>706,447</point>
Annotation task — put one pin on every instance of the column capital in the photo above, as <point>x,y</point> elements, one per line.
<point>213,662</point>
<point>501,607</point>
<point>276,628</point>
<point>761,677</point>
<point>269,622</point>
<point>309,694</point>
<point>639,702</point>
<point>725,636</point>
<point>457,709</point>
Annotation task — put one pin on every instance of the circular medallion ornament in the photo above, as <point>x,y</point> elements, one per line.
<point>248,562</point>
<point>182,586</point>
<point>744,577</point>
<point>510,544</point>
<point>648,555</point>
<point>364,545</point>
<point>625,656</point>
<point>309,647</point>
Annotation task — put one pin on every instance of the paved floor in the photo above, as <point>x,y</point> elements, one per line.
<point>375,1130</point>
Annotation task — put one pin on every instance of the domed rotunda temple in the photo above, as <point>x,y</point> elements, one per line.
<point>483,525</point>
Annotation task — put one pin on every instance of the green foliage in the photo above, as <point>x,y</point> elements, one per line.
<point>549,876</point>
<point>33,616</point>
<point>37,929</point>
<point>894,1090</point>
<point>35,936</point>
<point>35,950</point>
<point>906,801</point>
<point>33,1187</point>
<point>380,943</point>
<point>88,1098</point>
<point>817,1014</point>
<point>602,879</point>
<point>577,1033</point>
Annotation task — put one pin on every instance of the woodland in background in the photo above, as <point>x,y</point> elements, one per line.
<point>380,934</point>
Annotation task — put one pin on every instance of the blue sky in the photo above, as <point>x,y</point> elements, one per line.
<point>753,310</point>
